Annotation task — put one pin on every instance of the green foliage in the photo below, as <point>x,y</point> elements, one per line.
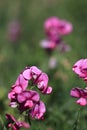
<point>14,57</point>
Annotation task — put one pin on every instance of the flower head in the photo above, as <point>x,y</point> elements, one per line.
<point>80,68</point>
<point>81,94</point>
<point>14,124</point>
<point>55,28</point>
<point>38,111</point>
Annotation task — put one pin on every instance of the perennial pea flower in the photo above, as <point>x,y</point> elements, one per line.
<point>80,68</point>
<point>31,72</point>
<point>27,99</point>
<point>39,78</point>
<point>81,94</point>
<point>42,84</point>
<point>19,86</point>
<point>38,110</point>
<point>55,28</point>
<point>14,124</point>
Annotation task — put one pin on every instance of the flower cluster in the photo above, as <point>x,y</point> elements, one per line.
<point>54,29</point>
<point>28,100</point>
<point>80,68</point>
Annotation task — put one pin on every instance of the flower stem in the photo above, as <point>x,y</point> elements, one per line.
<point>76,123</point>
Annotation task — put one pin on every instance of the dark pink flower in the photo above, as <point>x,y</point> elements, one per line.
<point>19,86</point>
<point>21,81</point>
<point>65,27</point>
<point>38,111</point>
<point>31,72</point>
<point>80,68</point>
<point>27,99</point>
<point>42,84</point>
<point>55,27</point>
<point>51,29</point>
<point>14,124</point>
<point>81,94</point>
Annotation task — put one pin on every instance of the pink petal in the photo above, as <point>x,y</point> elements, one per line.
<point>49,90</point>
<point>82,102</point>
<point>75,92</point>
<point>27,74</point>
<point>65,27</point>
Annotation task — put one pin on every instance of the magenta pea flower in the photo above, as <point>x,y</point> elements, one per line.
<point>31,72</point>
<point>42,84</point>
<point>39,78</point>
<point>65,27</point>
<point>14,124</point>
<point>51,29</point>
<point>38,111</point>
<point>81,94</point>
<point>19,86</point>
<point>21,81</point>
<point>27,99</point>
<point>80,68</point>
<point>55,28</point>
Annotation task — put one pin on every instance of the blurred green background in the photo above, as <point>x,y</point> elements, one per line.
<point>26,51</point>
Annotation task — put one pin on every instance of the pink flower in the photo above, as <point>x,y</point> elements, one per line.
<point>31,72</point>
<point>42,84</point>
<point>65,27</point>
<point>19,86</point>
<point>38,111</point>
<point>27,99</point>
<point>80,68</point>
<point>48,44</point>
<point>14,124</point>
<point>21,81</point>
<point>55,27</point>
<point>81,94</point>
<point>51,28</point>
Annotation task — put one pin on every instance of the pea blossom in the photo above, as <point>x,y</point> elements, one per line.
<point>55,29</point>
<point>80,68</point>
<point>14,124</point>
<point>27,100</point>
<point>81,94</point>
<point>39,78</point>
<point>38,110</point>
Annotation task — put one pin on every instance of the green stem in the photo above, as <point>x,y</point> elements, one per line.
<point>76,123</point>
